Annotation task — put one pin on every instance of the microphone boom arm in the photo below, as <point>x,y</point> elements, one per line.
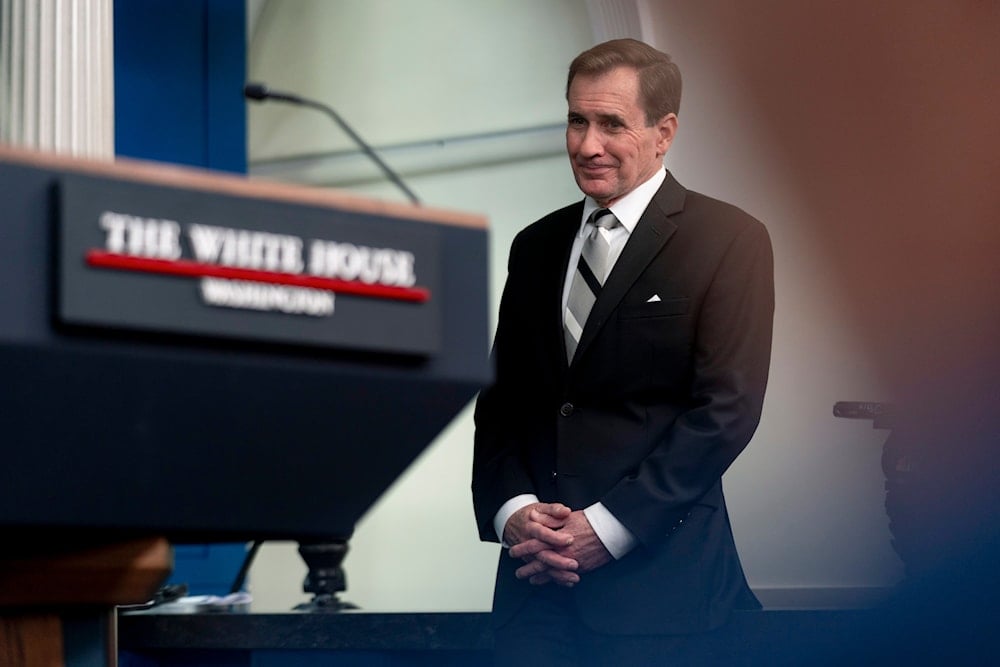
<point>259,92</point>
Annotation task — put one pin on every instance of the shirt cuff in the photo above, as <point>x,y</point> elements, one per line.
<point>617,539</point>
<point>507,509</point>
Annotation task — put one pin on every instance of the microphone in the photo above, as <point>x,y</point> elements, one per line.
<point>258,92</point>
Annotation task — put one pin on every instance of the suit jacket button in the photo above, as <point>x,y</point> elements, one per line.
<point>566,409</point>
<point>554,474</point>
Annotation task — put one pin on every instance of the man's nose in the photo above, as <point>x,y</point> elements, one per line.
<point>592,143</point>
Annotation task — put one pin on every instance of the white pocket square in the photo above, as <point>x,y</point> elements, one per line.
<point>653,299</point>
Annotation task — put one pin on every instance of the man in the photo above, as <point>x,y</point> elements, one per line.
<point>625,386</point>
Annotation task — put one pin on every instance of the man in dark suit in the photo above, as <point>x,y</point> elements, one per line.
<point>626,384</point>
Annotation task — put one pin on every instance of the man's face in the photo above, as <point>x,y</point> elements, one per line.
<point>611,149</point>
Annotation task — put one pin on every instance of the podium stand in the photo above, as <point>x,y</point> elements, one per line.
<point>196,357</point>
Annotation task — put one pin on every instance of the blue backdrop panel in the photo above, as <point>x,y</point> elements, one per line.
<point>179,71</point>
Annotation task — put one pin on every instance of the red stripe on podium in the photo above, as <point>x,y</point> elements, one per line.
<point>183,267</point>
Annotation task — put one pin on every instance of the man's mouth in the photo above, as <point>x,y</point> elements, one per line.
<point>595,168</point>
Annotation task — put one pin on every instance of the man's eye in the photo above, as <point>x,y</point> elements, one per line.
<point>576,122</point>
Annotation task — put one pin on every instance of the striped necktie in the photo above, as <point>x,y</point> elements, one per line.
<point>591,272</point>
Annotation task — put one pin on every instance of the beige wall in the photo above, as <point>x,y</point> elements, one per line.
<point>404,79</point>
<point>857,133</point>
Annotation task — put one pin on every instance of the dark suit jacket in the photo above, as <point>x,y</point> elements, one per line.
<point>657,403</point>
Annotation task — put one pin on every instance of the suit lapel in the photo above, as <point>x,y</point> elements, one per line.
<point>654,229</point>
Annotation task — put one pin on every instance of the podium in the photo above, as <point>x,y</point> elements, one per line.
<point>192,357</point>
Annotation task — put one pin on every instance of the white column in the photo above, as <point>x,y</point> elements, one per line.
<point>615,19</point>
<point>57,76</point>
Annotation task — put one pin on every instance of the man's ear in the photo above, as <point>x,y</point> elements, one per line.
<point>666,127</point>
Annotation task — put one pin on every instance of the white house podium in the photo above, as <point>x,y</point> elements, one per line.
<point>190,357</point>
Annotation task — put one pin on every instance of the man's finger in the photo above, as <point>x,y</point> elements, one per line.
<point>532,547</point>
<point>528,548</point>
<point>547,520</point>
<point>538,575</point>
<point>556,561</point>
<point>540,579</point>
<point>561,577</point>
<point>545,559</point>
<point>529,570</point>
<point>547,535</point>
<point>557,510</point>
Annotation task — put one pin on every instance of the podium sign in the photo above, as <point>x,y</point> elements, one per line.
<point>154,258</point>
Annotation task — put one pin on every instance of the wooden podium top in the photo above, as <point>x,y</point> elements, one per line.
<point>158,173</point>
